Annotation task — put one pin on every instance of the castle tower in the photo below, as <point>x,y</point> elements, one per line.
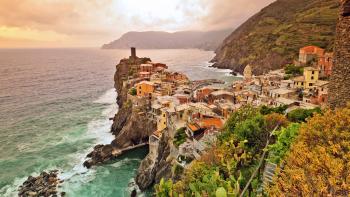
<point>133,53</point>
<point>339,87</point>
<point>247,73</point>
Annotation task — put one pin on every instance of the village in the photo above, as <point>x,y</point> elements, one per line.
<point>196,111</point>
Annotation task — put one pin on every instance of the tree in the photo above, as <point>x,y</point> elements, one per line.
<point>293,70</point>
<point>254,131</point>
<point>300,115</point>
<point>319,161</point>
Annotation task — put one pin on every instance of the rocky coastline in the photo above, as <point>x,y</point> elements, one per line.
<point>43,185</point>
<point>130,127</point>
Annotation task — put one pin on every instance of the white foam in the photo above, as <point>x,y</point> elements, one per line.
<point>98,129</point>
<point>107,98</point>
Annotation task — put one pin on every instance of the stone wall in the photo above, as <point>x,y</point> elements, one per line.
<point>339,90</point>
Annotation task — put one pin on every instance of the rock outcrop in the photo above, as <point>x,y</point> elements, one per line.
<point>339,88</point>
<point>273,37</point>
<point>43,185</point>
<point>159,161</point>
<point>130,125</point>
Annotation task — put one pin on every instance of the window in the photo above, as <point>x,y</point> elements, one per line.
<point>302,83</point>
<point>310,84</point>
<point>313,72</point>
<point>312,78</point>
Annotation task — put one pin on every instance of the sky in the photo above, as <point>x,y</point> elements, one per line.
<point>91,23</point>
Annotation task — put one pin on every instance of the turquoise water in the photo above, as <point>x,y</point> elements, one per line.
<point>54,107</point>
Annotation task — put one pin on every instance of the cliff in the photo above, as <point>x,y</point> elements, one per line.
<point>159,161</point>
<point>339,86</point>
<point>164,40</point>
<point>274,36</point>
<point>130,125</point>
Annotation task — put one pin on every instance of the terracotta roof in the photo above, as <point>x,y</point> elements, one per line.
<point>311,49</point>
<point>209,122</point>
<point>193,127</point>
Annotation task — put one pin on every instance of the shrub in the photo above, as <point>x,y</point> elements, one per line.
<point>264,110</point>
<point>285,137</point>
<point>318,162</point>
<point>300,115</point>
<point>133,91</point>
<point>180,137</point>
<point>293,70</point>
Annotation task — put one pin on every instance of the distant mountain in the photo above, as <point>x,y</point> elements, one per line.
<point>273,36</point>
<point>164,40</point>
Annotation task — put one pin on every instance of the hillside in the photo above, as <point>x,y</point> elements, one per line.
<point>273,36</point>
<point>164,40</point>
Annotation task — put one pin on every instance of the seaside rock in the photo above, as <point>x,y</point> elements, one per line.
<point>130,126</point>
<point>158,162</point>
<point>100,154</point>
<point>43,185</point>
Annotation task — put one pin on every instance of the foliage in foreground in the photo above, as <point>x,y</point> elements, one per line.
<point>285,138</point>
<point>319,162</point>
<point>226,167</point>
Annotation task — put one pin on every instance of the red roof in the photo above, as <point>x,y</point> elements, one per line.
<point>312,49</point>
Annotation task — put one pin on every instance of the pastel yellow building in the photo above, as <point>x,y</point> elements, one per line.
<point>145,88</point>
<point>309,78</point>
<point>162,121</point>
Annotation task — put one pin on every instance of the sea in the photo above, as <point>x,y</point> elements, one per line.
<point>55,106</point>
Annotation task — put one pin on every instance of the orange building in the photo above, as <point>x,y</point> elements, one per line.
<point>145,88</point>
<point>308,53</point>
<point>203,93</point>
<point>325,64</point>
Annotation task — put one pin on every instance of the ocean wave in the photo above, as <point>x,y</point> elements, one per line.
<point>97,129</point>
<point>107,98</point>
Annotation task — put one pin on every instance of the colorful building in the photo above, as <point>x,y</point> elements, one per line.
<point>308,80</point>
<point>325,64</point>
<point>145,88</point>
<point>309,53</point>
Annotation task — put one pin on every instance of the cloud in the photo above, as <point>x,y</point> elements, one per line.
<point>94,22</point>
<point>223,14</point>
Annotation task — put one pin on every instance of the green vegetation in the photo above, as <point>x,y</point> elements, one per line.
<point>293,70</point>
<point>285,137</point>
<point>274,35</point>
<point>301,115</point>
<point>180,137</point>
<point>226,168</point>
<point>133,91</point>
<point>315,156</point>
<point>264,110</point>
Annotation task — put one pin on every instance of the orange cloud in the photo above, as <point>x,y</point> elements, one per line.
<point>94,22</point>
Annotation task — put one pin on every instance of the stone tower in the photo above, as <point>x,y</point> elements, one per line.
<point>133,53</point>
<point>247,73</point>
<point>339,87</point>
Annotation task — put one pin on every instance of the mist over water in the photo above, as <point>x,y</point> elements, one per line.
<point>55,105</point>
